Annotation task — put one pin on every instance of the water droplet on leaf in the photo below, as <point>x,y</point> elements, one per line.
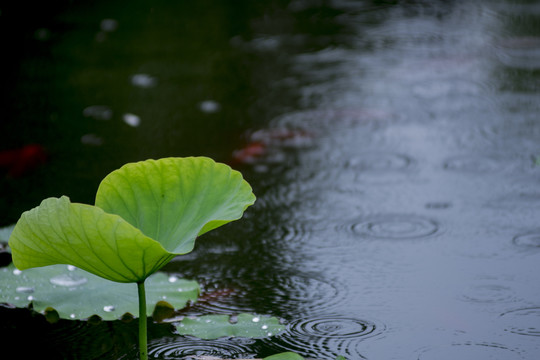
<point>25,289</point>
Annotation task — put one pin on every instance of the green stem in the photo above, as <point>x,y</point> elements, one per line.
<point>143,338</point>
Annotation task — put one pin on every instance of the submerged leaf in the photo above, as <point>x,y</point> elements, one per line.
<point>146,213</point>
<point>77,294</point>
<point>284,356</point>
<point>216,326</point>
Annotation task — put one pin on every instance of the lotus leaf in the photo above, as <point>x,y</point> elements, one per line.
<point>146,213</point>
<point>216,326</point>
<point>77,294</point>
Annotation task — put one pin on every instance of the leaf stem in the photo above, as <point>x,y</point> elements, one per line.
<point>143,338</point>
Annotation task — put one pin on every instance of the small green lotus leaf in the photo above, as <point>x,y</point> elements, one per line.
<point>174,200</point>
<point>216,326</point>
<point>77,294</point>
<point>284,356</point>
<point>61,232</point>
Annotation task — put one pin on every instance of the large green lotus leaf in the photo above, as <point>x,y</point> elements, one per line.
<point>77,294</point>
<point>216,326</point>
<point>174,200</point>
<point>61,232</point>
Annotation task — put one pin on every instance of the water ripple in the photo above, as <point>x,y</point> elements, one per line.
<point>474,163</point>
<point>469,351</point>
<point>190,347</point>
<point>522,321</point>
<point>394,227</point>
<point>380,167</point>
<point>327,336</point>
<point>489,294</point>
<point>530,240</point>
<point>286,294</point>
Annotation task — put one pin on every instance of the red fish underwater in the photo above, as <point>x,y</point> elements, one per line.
<point>19,162</point>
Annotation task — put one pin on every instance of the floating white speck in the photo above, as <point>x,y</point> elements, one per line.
<point>30,298</point>
<point>256,319</point>
<point>209,106</point>
<point>91,139</point>
<point>108,25</point>
<point>71,267</point>
<point>98,112</point>
<point>17,272</point>
<point>264,327</point>
<point>132,120</point>
<point>173,278</point>
<point>143,80</point>
<point>72,316</point>
<point>109,308</point>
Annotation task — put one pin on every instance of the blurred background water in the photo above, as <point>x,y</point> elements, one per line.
<point>393,147</point>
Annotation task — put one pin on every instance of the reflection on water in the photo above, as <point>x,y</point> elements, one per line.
<point>393,148</point>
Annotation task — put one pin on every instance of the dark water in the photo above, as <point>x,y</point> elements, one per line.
<point>394,148</point>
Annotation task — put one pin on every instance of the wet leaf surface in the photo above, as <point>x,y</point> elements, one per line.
<point>77,294</point>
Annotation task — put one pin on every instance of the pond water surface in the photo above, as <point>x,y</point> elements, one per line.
<point>394,148</point>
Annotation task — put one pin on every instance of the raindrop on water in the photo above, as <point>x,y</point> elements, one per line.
<point>531,240</point>
<point>395,226</point>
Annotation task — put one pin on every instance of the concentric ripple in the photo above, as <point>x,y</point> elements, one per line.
<point>469,351</point>
<point>327,336</point>
<point>489,294</point>
<point>189,347</point>
<point>394,227</point>
<point>333,327</point>
<point>293,293</point>
<point>522,321</point>
<point>380,167</point>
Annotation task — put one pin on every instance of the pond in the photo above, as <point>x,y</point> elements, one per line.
<point>394,148</point>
